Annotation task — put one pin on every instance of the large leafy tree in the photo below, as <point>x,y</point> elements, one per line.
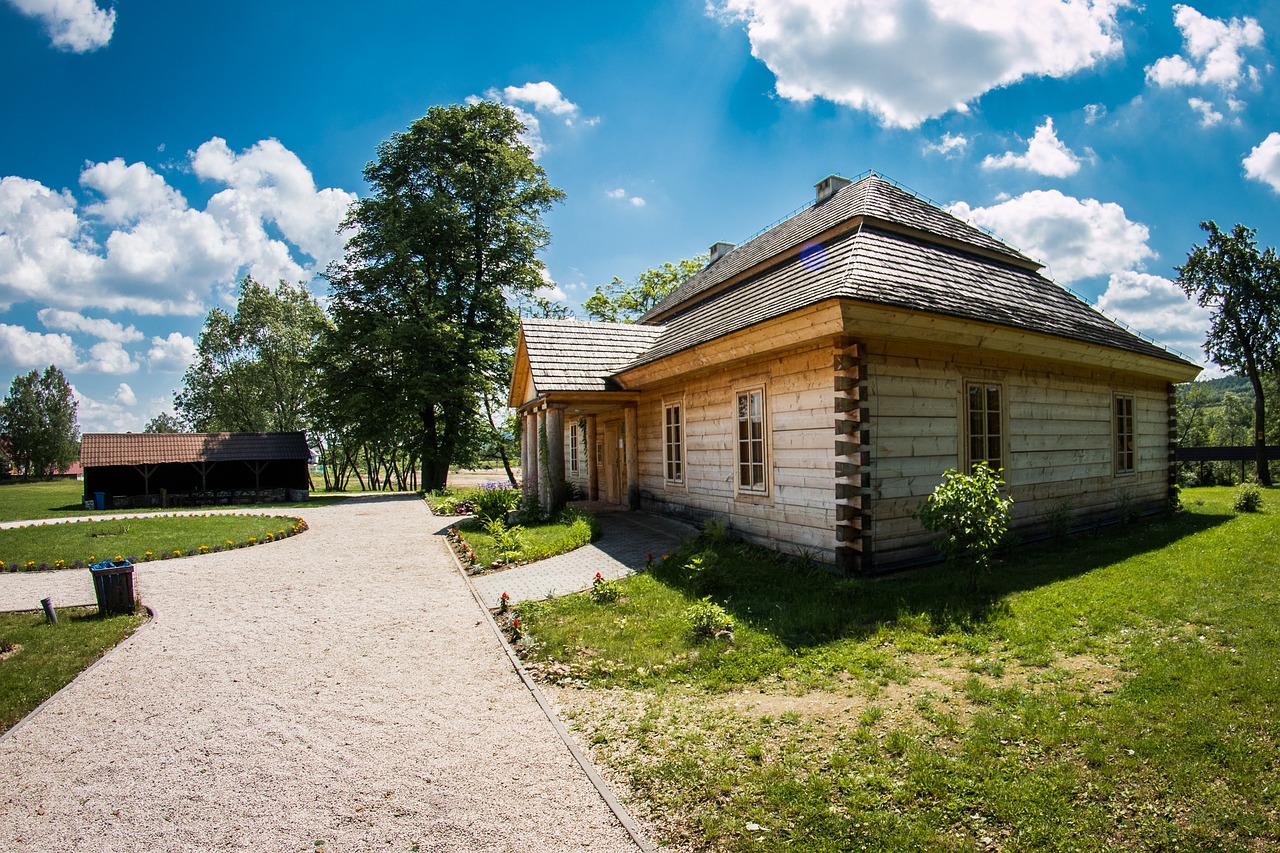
<point>623,302</point>
<point>38,421</point>
<point>449,233</point>
<point>253,370</point>
<point>1242,286</point>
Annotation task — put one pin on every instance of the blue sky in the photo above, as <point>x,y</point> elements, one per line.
<point>152,153</point>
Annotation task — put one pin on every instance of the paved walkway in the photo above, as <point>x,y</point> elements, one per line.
<point>338,690</point>
<point>626,541</point>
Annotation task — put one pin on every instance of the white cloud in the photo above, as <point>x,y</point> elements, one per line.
<point>541,98</point>
<point>1094,113</point>
<point>1209,115</point>
<point>622,195</point>
<point>1214,52</point>
<point>1158,308</point>
<point>1263,162</point>
<point>70,321</point>
<point>551,290</point>
<point>124,395</point>
<point>950,145</point>
<point>1077,238</point>
<point>75,25</point>
<point>911,61</point>
<point>109,357</point>
<point>173,354</point>
<point>21,349</point>
<point>137,245</point>
<point>1045,155</point>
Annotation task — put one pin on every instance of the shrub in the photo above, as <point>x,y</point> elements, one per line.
<point>970,516</point>
<point>1248,498</point>
<point>507,540</point>
<point>604,591</point>
<point>495,500</point>
<point>709,620</point>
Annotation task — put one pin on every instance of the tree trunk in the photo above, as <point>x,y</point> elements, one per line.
<point>1259,426</point>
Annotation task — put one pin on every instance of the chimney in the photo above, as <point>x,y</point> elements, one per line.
<point>829,186</point>
<point>718,251</point>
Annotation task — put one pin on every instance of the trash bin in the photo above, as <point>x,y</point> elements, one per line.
<point>99,500</point>
<point>113,585</point>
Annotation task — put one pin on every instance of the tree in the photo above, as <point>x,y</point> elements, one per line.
<point>253,370</point>
<point>163,422</point>
<point>970,516</point>
<point>38,421</point>
<point>1242,286</point>
<point>449,233</point>
<point>619,302</point>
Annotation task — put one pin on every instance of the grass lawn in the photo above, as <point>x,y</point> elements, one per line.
<point>134,537</point>
<point>37,659</point>
<point>572,529</point>
<point>1116,691</point>
<point>62,498</point>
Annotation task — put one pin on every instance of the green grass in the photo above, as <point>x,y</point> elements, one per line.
<point>570,531</point>
<point>63,498</point>
<point>1116,691</point>
<point>45,657</point>
<point>134,537</point>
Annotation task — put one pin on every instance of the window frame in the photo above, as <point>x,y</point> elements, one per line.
<point>752,442</point>
<point>967,423</point>
<point>674,460</point>
<point>1118,434</point>
<point>573,449</point>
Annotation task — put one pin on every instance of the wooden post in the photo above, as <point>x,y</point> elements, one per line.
<point>589,454</point>
<point>631,442</point>
<point>529,455</point>
<point>544,473</point>
<point>555,458</point>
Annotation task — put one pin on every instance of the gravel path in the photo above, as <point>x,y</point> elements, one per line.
<point>338,690</point>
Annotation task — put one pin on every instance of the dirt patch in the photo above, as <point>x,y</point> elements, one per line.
<point>470,477</point>
<point>8,650</point>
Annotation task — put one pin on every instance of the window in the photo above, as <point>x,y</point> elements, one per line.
<point>573,448</point>
<point>1124,435</point>
<point>673,442</point>
<point>751,462</point>
<point>986,434</point>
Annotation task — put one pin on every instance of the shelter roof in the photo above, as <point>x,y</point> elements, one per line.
<point>99,449</point>
<point>574,355</point>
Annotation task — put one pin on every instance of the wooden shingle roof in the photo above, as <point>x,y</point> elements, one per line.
<point>572,355</point>
<point>99,449</point>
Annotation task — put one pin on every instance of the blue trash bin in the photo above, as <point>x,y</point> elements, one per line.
<point>99,500</point>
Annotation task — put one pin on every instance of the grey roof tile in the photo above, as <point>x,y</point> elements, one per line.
<point>574,355</point>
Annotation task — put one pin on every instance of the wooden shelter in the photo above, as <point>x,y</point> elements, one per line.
<point>811,386</point>
<point>193,469</point>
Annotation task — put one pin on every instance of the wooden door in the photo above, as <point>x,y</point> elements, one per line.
<point>612,493</point>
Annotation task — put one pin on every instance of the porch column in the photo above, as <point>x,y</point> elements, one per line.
<point>593,470</point>
<point>532,476</point>
<point>555,498</point>
<point>632,444</point>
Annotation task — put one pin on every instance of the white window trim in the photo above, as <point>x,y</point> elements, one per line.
<point>1116,468</point>
<point>681,481</point>
<point>766,454</point>
<point>966,440</point>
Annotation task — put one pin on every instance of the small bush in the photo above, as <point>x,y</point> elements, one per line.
<point>1248,498</point>
<point>709,620</point>
<point>605,591</point>
<point>970,516</point>
<point>495,500</point>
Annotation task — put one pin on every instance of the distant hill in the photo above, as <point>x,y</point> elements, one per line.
<point>1238,385</point>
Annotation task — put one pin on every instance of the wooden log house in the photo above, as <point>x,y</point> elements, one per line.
<point>811,386</point>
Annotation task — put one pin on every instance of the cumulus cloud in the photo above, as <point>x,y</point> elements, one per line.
<point>1158,308</point>
<point>950,145</point>
<point>124,395</point>
<point>1263,162</point>
<point>1209,115</point>
<point>70,321</point>
<point>136,244</point>
<point>21,350</point>
<point>1077,238</point>
<point>622,195</point>
<point>534,99</point>
<point>172,354</point>
<point>117,413</point>
<point>109,357</point>
<point>551,290</point>
<point>911,61</point>
<point>1214,52</point>
<point>75,25</point>
<point>1045,155</point>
